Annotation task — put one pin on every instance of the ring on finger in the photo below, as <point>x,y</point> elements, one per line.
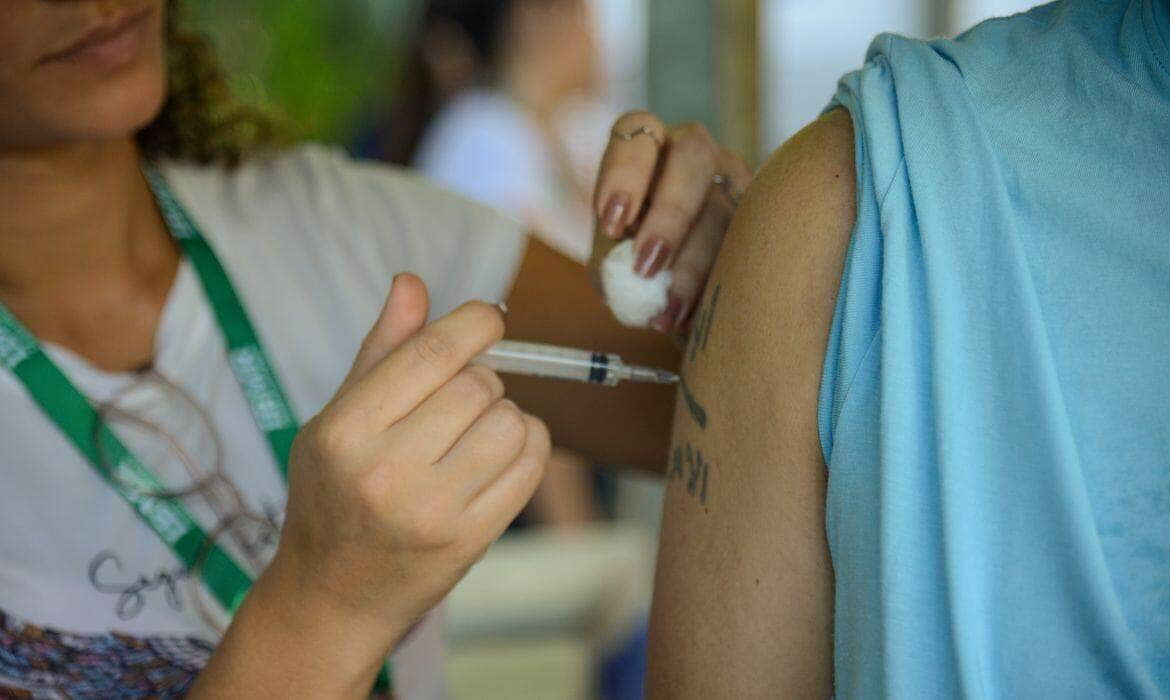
<point>639,131</point>
<point>725,185</point>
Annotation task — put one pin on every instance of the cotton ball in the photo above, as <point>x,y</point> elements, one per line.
<point>633,300</point>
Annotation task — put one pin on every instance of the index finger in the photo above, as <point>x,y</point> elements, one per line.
<point>418,367</point>
<point>627,170</point>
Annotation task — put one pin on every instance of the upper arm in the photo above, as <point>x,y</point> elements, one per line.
<point>744,592</point>
<point>554,301</point>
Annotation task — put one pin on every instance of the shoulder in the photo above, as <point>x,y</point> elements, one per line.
<point>806,187</point>
<point>315,195</point>
<point>315,181</point>
<point>790,236</point>
<point>785,252</point>
<point>1000,67</point>
<point>812,241</point>
<point>314,211</point>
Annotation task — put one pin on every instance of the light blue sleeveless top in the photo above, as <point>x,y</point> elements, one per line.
<point>995,405</point>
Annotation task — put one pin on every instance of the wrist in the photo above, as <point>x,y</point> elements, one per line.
<point>333,641</point>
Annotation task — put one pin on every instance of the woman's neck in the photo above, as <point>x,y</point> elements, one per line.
<point>71,214</point>
<point>84,254</point>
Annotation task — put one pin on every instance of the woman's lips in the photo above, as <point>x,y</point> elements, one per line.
<point>112,45</point>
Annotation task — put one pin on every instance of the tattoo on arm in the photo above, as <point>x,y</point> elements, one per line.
<point>698,413</point>
<point>702,328</point>
<point>689,466</point>
<point>700,331</point>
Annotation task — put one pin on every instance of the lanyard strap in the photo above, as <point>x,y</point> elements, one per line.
<point>250,364</point>
<point>22,355</point>
<point>65,405</point>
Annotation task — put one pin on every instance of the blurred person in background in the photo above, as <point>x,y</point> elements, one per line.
<point>177,286</point>
<point>486,88</point>
<point>485,84</point>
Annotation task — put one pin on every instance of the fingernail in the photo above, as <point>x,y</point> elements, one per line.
<point>652,257</point>
<point>615,214</point>
<point>665,321</point>
<point>502,307</point>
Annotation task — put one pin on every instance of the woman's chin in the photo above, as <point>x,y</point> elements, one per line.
<point>106,117</point>
<point>133,117</point>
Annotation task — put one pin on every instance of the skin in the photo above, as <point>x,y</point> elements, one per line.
<point>390,500</point>
<point>402,482</point>
<point>550,53</point>
<point>743,597</point>
<point>657,188</point>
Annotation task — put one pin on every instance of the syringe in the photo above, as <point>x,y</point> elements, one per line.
<point>555,362</point>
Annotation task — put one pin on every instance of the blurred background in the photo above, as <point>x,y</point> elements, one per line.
<point>509,102</point>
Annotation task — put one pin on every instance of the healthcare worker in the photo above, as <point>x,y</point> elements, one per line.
<point>180,298</point>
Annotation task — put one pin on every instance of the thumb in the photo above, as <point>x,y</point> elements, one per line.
<point>403,314</point>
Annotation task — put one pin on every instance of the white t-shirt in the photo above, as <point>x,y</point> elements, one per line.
<point>311,241</point>
<point>487,147</point>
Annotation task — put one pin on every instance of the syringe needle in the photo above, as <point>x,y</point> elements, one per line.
<point>650,375</point>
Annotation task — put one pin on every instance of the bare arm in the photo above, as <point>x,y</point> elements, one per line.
<point>744,594</point>
<point>281,643</point>
<point>554,301</point>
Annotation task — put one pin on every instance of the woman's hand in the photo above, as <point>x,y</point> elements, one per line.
<point>413,469</point>
<point>674,191</point>
<point>395,489</point>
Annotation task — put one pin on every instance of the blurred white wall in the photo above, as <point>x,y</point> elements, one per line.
<point>623,30</point>
<point>964,14</point>
<point>808,45</point>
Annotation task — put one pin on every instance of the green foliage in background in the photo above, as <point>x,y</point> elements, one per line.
<point>323,64</point>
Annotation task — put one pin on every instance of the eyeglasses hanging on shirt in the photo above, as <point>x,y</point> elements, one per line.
<point>157,504</point>
<point>168,429</point>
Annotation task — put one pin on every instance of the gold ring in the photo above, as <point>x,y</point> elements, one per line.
<point>640,131</point>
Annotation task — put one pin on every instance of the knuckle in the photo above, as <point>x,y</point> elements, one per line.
<point>487,318</point>
<point>538,435</point>
<point>695,131</point>
<point>700,150</point>
<point>426,526</point>
<point>433,347</point>
<point>480,385</point>
<point>673,211</point>
<point>327,437</point>
<point>638,117</point>
<point>508,423</point>
<point>369,492</point>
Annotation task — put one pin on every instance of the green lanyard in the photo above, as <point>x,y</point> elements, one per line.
<point>22,355</point>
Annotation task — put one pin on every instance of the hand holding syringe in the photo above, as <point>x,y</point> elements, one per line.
<point>554,362</point>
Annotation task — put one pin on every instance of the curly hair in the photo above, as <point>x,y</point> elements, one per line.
<point>200,120</point>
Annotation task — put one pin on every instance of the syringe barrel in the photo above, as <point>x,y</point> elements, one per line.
<point>540,360</point>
